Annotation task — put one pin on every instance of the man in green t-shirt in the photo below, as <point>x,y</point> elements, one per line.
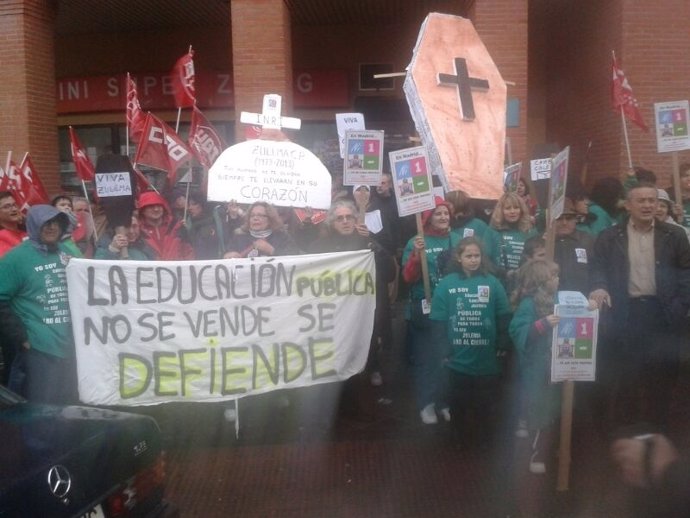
<point>34,310</point>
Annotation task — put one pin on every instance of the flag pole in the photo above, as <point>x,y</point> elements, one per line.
<point>9,159</point>
<point>127,121</point>
<point>93,221</point>
<point>179,109</point>
<point>627,142</point>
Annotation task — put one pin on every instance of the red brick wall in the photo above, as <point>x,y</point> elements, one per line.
<point>652,46</point>
<point>502,26</point>
<point>655,56</point>
<point>262,54</point>
<point>27,97</point>
<point>576,60</point>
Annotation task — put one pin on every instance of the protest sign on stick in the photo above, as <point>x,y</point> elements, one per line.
<point>279,172</point>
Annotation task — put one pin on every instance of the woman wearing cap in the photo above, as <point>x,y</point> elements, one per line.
<point>426,356</point>
<point>664,211</point>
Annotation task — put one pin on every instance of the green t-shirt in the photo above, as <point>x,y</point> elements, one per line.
<point>434,246</point>
<point>471,307</point>
<point>512,245</point>
<point>35,286</point>
<point>491,241</point>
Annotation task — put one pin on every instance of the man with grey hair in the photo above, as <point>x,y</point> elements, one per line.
<point>640,279</point>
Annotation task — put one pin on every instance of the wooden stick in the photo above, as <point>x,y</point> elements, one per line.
<point>676,179</point>
<point>567,398</point>
<point>425,264</point>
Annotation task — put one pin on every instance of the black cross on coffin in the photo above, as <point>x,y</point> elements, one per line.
<point>465,83</point>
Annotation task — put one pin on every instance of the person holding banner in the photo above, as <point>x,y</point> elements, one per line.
<point>34,311</point>
<point>641,274</point>
<point>470,338</point>
<point>159,229</point>
<point>425,355</point>
<point>262,234</point>
<point>345,234</point>
<point>111,244</point>
<point>202,231</point>
<point>530,330</point>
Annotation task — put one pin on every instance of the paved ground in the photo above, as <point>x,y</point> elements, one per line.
<point>300,455</point>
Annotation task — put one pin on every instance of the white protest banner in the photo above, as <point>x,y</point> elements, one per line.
<point>113,184</point>
<point>574,345</point>
<point>412,180</point>
<point>347,121</point>
<point>671,121</point>
<point>278,172</point>
<point>540,169</point>
<point>559,178</point>
<point>153,332</point>
<point>364,157</point>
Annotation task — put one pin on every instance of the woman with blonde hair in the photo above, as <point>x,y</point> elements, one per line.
<point>511,219</point>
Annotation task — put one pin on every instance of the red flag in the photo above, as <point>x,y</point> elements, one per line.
<point>204,140</point>
<point>622,97</point>
<point>35,192</point>
<point>83,165</point>
<point>183,81</point>
<point>161,148</point>
<point>13,183</point>
<point>135,117</point>
<point>4,181</point>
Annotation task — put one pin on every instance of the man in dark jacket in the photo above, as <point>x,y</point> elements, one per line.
<point>641,276</point>
<point>572,251</point>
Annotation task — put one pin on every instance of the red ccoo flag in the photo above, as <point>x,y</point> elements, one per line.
<point>204,140</point>
<point>183,81</point>
<point>135,117</point>
<point>161,148</point>
<point>34,191</point>
<point>622,97</point>
<point>83,165</point>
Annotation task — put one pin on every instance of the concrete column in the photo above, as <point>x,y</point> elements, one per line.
<point>28,121</point>
<point>261,55</point>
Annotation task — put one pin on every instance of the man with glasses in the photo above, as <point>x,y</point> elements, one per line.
<point>11,229</point>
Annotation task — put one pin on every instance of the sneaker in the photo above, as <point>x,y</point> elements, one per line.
<point>536,466</point>
<point>445,413</point>
<point>376,379</point>
<point>521,431</point>
<point>428,414</point>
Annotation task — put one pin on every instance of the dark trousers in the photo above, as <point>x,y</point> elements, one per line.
<point>48,379</point>
<point>647,352</point>
<point>477,396</point>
